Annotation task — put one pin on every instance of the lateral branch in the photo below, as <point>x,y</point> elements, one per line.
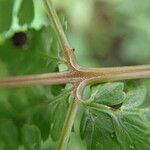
<point>79,75</point>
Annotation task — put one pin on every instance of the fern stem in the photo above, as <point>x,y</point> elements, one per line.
<point>68,51</point>
<point>72,111</point>
<point>82,75</point>
<point>96,75</point>
<point>40,79</point>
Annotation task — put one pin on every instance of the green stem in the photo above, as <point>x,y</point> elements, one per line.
<point>57,25</point>
<point>68,51</point>
<point>73,107</point>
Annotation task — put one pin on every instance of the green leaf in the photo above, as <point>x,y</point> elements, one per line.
<point>31,137</point>
<point>118,130</point>
<point>3,69</point>
<point>83,125</point>
<point>136,95</point>
<point>41,117</point>
<point>8,135</point>
<point>26,13</point>
<point>108,93</point>
<point>45,114</point>
<point>32,109</point>
<point>6,8</point>
<point>37,46</point>
<point>58,115</point>
<point>132,130</point>
<point>97,129</point>
<point>125,128</point>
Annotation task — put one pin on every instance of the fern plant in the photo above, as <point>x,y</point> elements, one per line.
<point>113,116</point>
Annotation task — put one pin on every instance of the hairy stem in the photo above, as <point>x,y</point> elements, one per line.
<point>85,75</point>
<point>68,125</point>
<point>72,111</point>
<point>40,79</point>
<point>117,73</point>
<point>68,51</point>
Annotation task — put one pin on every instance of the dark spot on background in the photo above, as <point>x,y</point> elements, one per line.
<point>19,39</point>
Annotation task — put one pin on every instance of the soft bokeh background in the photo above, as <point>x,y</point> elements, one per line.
<point>103,33</point>
<point>109,32</point>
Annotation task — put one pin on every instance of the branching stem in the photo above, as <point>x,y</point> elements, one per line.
<point>76,75</point>
<point>79,76</point>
